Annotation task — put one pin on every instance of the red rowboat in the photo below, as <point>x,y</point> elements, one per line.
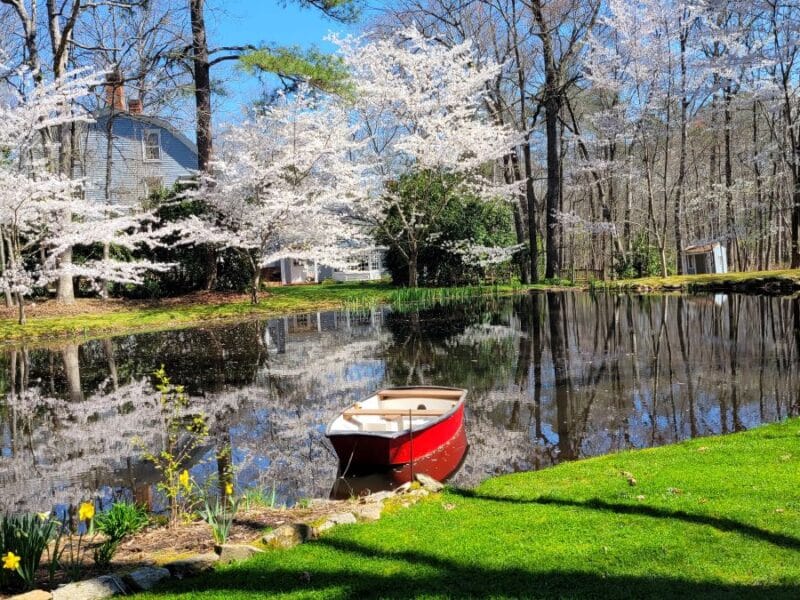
<point>397,426</point>
<point>440,464</point>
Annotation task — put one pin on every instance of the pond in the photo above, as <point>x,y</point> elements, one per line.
<point>551,377</point>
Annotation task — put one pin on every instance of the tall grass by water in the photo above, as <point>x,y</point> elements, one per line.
<point>430,297</point>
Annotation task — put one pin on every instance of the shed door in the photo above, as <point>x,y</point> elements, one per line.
<point>700,266</point>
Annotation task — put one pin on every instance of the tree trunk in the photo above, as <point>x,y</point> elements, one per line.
<point>530,196</point>
<point>3,266</point>
<point>21,309</point>
<point>202,98</point>
<point>552,259</point>
<point>552,107</point>
<point>202,83</point>
<point>65,291</point>
<point>256,284</point>
<point>65,288</point>
<point>733,256</point>
<point>413,258</point>
<point>677,207</point>
<point>795,218</point>
<point>210,258</point>
<point>512,174</point>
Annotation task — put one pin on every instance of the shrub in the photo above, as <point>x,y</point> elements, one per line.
<point>117,523</point>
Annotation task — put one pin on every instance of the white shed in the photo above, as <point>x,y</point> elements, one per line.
<point>705,258</point>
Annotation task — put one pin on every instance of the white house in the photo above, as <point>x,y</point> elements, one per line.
<point>368,266</point>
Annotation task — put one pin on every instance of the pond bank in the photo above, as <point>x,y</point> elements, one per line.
<point>89,318</point>
<point>713,517</point>
<point>757,282</point>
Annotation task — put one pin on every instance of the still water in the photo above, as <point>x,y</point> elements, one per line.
<point>551,377</point>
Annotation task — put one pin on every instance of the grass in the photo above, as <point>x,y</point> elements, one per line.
<point>711,518</point>
<point>754,281</point>
<point>278,301</point>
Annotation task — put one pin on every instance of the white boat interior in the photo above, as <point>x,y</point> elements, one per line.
<point>394,410</point>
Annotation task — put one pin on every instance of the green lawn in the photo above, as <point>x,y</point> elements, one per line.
<point>277,301</point>
<point>756,281</point>
<point>711,518</point>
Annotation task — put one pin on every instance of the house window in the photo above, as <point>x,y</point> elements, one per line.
<point>152,145</point>
<point>362,265</point>
<point>153,185</point>
<point>375,261</point>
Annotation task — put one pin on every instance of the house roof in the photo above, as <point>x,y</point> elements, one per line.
<point>151,120</point>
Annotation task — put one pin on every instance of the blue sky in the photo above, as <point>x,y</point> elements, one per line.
<point>232,23</point>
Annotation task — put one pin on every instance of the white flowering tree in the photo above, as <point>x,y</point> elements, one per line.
<point>34,197</point>
<point>283,185</point>
<point>420,109</point>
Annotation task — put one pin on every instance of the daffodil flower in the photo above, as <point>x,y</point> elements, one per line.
<point>229,489</point>
<point>43,516</point>
<point>86,511</point>
<point>11,561</point>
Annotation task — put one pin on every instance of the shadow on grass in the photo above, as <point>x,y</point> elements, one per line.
<point>720,523</point>
<point>423,574</point>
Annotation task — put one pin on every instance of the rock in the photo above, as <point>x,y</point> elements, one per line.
<point>235,552</point>
<point>429,483</point>
<point>406,487</point>
<point>288,536</point>
<point>343,518</point>
<point>323,528</point>
<point>146,578</point>
<point>319,502</point>
<point>194,565</point>
<point>105,586</point>
<point>370,512</point>
<point>33,595</point>
<point>377,497</point>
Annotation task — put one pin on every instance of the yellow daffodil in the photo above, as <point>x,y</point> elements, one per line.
<point>229,489</point>
<point>183,478</point>
<point>86,511</point>
<point>10,561</point>
<point>43,516</point>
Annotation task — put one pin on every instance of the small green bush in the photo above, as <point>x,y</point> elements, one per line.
<point>120,521</point>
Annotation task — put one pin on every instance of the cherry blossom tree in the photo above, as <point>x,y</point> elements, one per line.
<point>420,108</point>
<point>283,186</point>
<point>34,197</point>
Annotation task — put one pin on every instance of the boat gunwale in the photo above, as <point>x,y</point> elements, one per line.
<point>397,434</point>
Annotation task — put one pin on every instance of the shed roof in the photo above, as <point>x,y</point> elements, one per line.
<point>701,248</point>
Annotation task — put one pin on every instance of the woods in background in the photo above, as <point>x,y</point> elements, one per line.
<point>649,125</point>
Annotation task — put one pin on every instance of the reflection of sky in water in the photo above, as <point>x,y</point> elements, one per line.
<point>269,388</point>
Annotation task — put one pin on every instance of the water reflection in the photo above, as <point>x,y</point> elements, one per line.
<point>551,377</point>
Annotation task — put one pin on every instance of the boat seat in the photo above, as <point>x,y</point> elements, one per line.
<point>423,393</point>
<point>394,412</point>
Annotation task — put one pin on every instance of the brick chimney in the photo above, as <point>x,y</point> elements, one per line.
<point>135,106</point>
<point>115,91</point>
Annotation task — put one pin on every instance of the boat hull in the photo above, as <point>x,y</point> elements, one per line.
<point>373,449</point>
<point>440,464</point>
